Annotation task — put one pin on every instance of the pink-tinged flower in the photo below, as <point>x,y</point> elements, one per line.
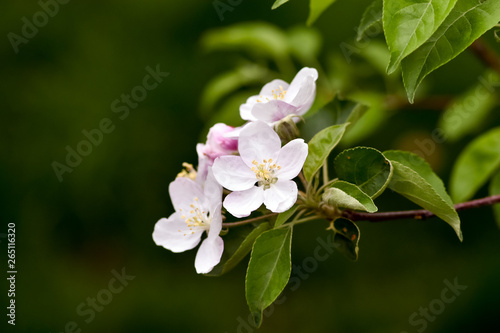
<point>278,99</point>
<point>197,210</point>
<point>262,173</point>
<point>220,141</point>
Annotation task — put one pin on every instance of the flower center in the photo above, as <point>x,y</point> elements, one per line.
<point>196,218</point>
<point>188,171</point>
<point>265,172</point>
<point>277,94</point>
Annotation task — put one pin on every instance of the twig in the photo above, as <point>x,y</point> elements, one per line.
<point>415,214</point>
<point>254,219</point>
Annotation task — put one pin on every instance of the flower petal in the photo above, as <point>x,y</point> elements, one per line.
<point>233,174</point>
<point>291,159</point>
<point>209,254</point>
<point>246,109</point>
<point>242,203</point>
<point>305,76</point>
<point>183,192</point>
<point>305,97</point>
<point>273,87</point>
<point>281,196</point>
<point>174,234</point>
<point>273,111</point>
<point>216,224</point>
<point>258,141</point>
<point>212,190</point>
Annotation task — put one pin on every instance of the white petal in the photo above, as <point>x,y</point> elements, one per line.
<point>233,174</point>
<point>246,109</point>
<point>209,254</point>
<point>183,192</point>
<point>305,97</point>
<point>291,159</point>
<point>212,190</point>
<point>204,162</point>
<point>273,87</point>
<point>242,203</point>
<point>306,74</point>
<point>281,196</point>
<point>216,224</point>
<point>273,111</point>
<point>174,235</point>
<point>258,141</point>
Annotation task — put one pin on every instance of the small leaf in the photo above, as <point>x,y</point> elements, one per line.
<point>317,7</point>
<point>414,179</point>
<point>346,111</point>
<point>468,112</point>
<point>408,24</point>
<point>346,238</point>
<point>237,244</point>
<point>268,271</point>
<point>320,147</point>
<point>468,20</point>
<point>495,190</point>
<point>346,195</point>
<point>278,3</point>
<point>372,18</point>
<point>365,167</point>
<point>285,216</point>
<point>475,165</point>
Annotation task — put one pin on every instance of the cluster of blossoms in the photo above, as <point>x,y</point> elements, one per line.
<point>248,161</point>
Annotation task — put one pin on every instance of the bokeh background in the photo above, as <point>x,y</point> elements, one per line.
<point>72,234</point>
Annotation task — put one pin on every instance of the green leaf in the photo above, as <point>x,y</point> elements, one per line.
<point>346,195</point>
<point>414,179</point>
<point>372,18</point>
<point>268,271</point>
<point>408,24</point>
<point>237,244</point>
<point>285,216</point>
<point>365,167</point>
<point>495,190</point>
<point>346,238</point>
<point>468,20</point>
<point>316,8</point>
<point>320,147</point>
<point>278,3</point>
<point>475,165</point>
<point>468,112</point>
<point>346,111</point>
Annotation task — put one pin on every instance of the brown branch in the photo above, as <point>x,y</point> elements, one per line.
<point>247,221</point>
<point>486,54</point>
<point>415,214</point>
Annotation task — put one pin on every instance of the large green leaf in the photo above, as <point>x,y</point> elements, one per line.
<point>468,20</point>
<point>495,190</point>
<point>316,8</point>
<point>237,244</point>
<point>414,179</point>
<point>365,167</point>
<point>408,24</point>
<point>475,165</point>
<point>346,238</point>
<point>468,112</point>
<point>371,19</point>
<point>346,195</point>
<point>268,271</point>
<point>320,147</point>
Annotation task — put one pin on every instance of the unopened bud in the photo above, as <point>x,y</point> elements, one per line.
<point>287,128</point>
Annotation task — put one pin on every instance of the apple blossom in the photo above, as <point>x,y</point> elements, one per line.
<point>278,99</point>
<point>262,173</point>
<point>221,140</point>
<point>197,210</point>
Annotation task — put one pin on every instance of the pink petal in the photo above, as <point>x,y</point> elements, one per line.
<point>258,141</point>
<point>242,203</point>
<point>232,173</point>
<point>273,111</point>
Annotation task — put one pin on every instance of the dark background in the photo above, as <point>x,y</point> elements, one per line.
<point>71,235</point>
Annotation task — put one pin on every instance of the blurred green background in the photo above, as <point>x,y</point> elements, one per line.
<point>71,235</point>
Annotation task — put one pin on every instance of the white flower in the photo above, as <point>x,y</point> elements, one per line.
<point>277,99</point>
<point>197,210</point>
<point>220,141</point>
<point>262,173</point>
